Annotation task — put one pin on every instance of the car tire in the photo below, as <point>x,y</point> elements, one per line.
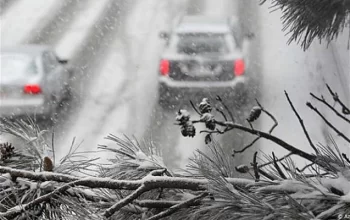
<point>163,98</point>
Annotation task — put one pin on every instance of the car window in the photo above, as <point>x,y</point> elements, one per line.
<point>49,62</point>
<point>16,66</point>
<point>202,43</point>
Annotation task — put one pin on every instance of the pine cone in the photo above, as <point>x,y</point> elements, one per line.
<point>254,114</point>
<point>204,106</point>
<point>6,151</point>
<point>182,116</point>
<point>48,165</point>
<point>242,168</point>
<point>187,129</point>
<point>209,121</point>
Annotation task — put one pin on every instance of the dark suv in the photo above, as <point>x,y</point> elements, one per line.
<point>203,57</point>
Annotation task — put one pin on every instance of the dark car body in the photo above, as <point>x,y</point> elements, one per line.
<point>33,81</point>
<point>203,57</point>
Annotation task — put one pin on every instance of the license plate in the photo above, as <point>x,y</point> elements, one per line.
<point>3,95</point>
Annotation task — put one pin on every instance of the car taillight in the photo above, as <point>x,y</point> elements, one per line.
<point>164,67</point>
<point>239,67</point>
<point>32,89</point>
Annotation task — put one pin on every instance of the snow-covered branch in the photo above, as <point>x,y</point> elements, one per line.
<point>136,184</point>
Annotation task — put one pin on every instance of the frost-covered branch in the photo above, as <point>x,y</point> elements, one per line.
<point>176,207</point>
<point>136,184</point>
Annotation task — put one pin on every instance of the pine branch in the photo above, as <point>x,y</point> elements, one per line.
<point>120,204</point>
<point>308,20</point>
<point>176,207</point>
<point>301,123</point>
<point>153,182</point>
<point>270,137</point>
<point>327,122</point>
<point>323,101</point>
<point>15,211</point>
<point>159,204</point>
<point>257,138</point>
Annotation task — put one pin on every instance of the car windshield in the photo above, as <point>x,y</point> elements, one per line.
<point>16,66</point>
<point>201,43</point>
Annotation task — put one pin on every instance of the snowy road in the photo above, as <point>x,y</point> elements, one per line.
<point>114,48</point>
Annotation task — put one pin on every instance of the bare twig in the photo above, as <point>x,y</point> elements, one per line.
<point>255,167</point>
<point>270,115</point>
<point>304,168</point>
<point>301,123</point>
<point>225,106</point>
<point>257,138</point>
<point>272,138</point>
<point>268,176</point>
<point>222,113</point>
<point>175,208</point>
<point>194,107</point>
<point>217,131</point>
<point>246,147</point>
<point>346,158</point>
<point>322,100</point>
<point>278,160</point>
<point>327,122</point>
<point>160,204</point>
<point>346,110</point>
<point>120,204</point>
<point>275,163</point>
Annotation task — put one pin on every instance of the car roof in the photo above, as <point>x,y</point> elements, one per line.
<point>28,49</point>
<point>203,24</point>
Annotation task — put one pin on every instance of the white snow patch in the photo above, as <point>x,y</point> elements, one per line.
<point>100,108</point>
<point>78,30</point>
<point>340,183</point>
<point>219,8</point>
<point>23,17</point>
<point>146,21</point>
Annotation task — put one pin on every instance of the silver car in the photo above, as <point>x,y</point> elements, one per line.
<point>203,57</point>
<point>33,81</point>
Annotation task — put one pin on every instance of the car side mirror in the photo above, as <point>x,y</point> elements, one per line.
<point>164,35</point>
<point>250,35</point>
<point>62,61</point>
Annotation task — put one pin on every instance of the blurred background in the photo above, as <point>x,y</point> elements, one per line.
<point>112,49</point>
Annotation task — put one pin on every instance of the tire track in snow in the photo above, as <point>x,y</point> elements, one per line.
<point>25,18</point>
<point>64,18</point>
<point>157,129</point>
<point>78,30</point>
<point>54,26</point>
<point>87,60</point>
<point>118,114</point>
<point>5,5</point>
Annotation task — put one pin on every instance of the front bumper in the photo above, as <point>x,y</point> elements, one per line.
<point>177,93</point>
<point>24,107</point>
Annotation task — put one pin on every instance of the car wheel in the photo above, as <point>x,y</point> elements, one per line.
<point>67,95</point>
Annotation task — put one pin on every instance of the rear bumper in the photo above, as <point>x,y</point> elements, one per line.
<point>24,107</point>
<point>180,92</point>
